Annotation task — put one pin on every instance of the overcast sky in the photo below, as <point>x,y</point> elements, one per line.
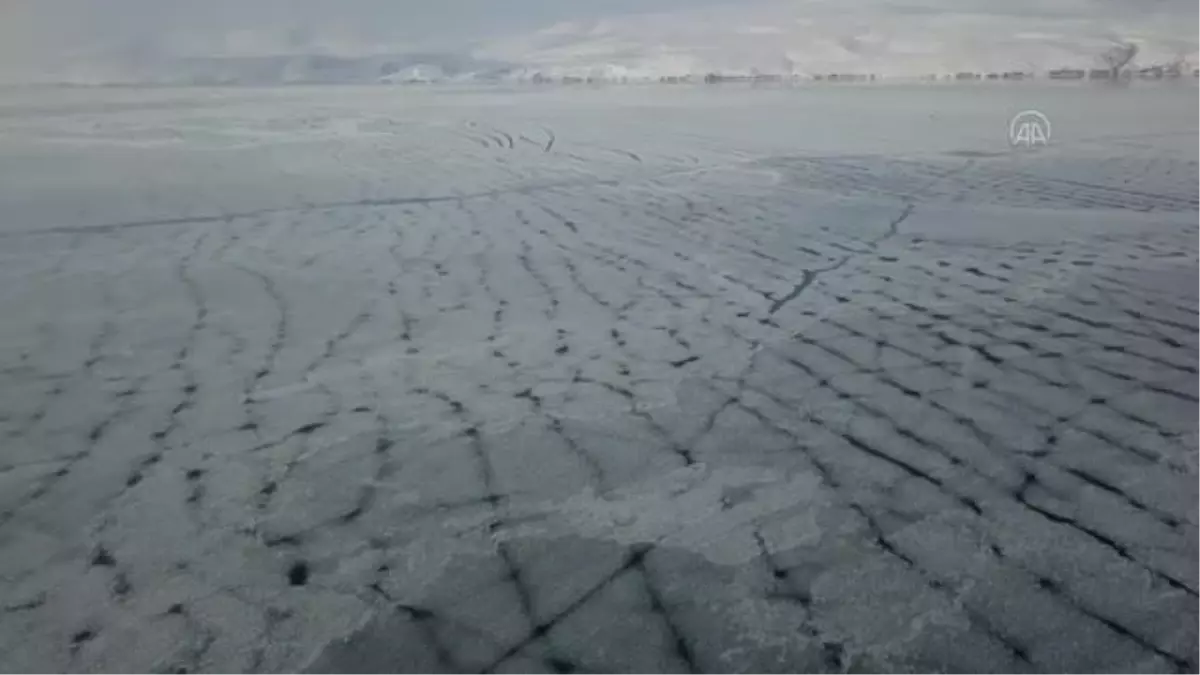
<point>46,34</point>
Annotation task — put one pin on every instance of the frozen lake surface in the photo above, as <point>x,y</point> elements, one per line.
<point>641,379</point>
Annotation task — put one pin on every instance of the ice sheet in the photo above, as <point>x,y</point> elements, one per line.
<point>619,379</point>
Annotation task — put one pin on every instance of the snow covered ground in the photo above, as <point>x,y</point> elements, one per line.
<point>642,379</point>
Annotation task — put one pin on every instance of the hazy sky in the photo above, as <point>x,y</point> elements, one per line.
<point>45,34</point>
<point>447,22</point>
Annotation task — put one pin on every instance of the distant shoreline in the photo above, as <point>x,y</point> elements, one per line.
<point>797,83</point>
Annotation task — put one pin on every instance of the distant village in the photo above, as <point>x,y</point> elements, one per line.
<point>1156,72</point>
<point>1116,65</point>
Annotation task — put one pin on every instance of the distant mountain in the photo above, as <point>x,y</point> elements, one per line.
<point>738,40</point>
<point>818,37</point>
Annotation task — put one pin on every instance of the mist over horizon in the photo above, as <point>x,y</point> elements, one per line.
<point>272,41</point>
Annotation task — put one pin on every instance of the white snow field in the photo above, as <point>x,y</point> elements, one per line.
<point>622,379</point>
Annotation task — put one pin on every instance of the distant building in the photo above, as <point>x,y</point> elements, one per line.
<point>966,76</point>
<point>1100,74</point>
<point>717,78</point>
<point>1067,74</point>
<point>993,76</point>
<point>1013,75</point>
<point>1151,73</point>
<point>846,77</point>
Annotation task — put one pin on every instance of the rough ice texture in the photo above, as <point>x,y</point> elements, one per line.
<point>657,381</point>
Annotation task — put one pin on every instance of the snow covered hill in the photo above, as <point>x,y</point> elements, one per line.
<point>809,37</point>
<point>848,36</point>
<point>363,41</point>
